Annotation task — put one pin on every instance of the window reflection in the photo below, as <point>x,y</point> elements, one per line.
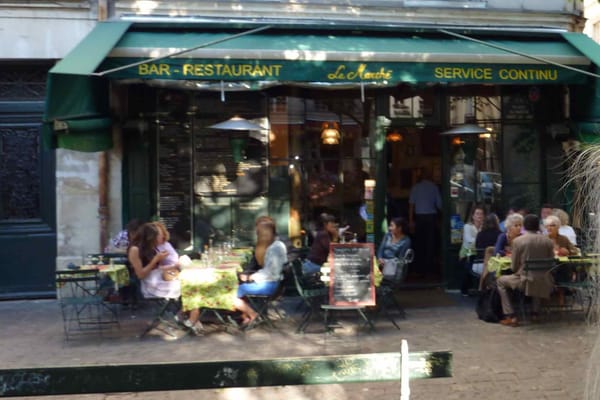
<point>475,171</point>
<point>325,176</point>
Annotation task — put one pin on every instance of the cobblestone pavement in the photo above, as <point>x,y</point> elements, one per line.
<point>547,360</point>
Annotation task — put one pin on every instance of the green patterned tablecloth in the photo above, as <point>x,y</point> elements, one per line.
<point>117,273</point>
<point>208,288</point>
<point>497,264</point>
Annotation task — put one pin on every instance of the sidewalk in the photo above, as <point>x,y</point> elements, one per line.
<point>539,361</point>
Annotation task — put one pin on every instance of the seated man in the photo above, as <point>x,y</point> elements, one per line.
<point>530,245</point>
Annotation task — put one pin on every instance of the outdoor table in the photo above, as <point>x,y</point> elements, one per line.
<point>209,287</point>
<point>117,273</point>
<point>499,265</point>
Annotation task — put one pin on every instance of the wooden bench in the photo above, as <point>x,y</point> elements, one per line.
<point>353,368</point>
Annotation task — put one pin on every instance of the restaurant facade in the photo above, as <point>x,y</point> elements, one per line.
<point>131,117</point>
<point>325,110</point>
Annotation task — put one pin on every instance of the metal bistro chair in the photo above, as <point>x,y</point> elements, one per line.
<point>476,268</point>
<point>312,294</point>
<point>165,309</point>
<point>576,278</point>
<point>82,302</point>
<point>534,269</point>
<point>264,304</point>
<point>386,292</point>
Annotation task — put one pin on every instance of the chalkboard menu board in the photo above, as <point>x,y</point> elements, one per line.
<point>351,274</point>
<point>175,182</point>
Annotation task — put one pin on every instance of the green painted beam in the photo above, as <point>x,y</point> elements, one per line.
<point>356,368</point>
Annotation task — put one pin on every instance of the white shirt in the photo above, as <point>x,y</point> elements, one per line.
<point>568,231</point>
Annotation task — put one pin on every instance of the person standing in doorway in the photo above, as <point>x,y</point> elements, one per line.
<point>423,204</point>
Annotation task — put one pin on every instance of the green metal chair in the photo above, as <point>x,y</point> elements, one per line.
<point>312,295</point>
<point>575,278</point>
<point>386,292</point>
<point>82,304</point>
<point>537,268</point>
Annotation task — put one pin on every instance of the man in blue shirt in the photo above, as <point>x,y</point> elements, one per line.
<point>424,203</point>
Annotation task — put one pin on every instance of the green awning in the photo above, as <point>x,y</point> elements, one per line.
<point>86,134</point>
<point>585,45</point>
<point>347,57</point>
<point>78,86</point>
<point>73,94</point>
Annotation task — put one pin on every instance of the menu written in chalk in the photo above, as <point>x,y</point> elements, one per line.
<point>174,183</point>
<point>351,274</point>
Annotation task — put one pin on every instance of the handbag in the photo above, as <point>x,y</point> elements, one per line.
<point>170,274</point>
<point>390,268</point>
<point>477,268</point>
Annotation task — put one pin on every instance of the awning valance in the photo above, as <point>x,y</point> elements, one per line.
<point>382,59</point>
<point>74,94</point>
<point>86,134</point>
<point>78,84</point>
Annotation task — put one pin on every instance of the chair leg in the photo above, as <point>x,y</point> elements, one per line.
<point>159,318</point>
<point>306,319</point>
<point>384,310</point>
<point>260,304</point>
<point>368,321</point>
<point>326,321</point>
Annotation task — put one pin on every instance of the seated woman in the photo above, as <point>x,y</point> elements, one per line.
<point>146,260</point>
<point>319,251</point>
<point>395,242</point>
<point>489,232</point>
<point>514,226</point>
<point>565,229</point>
<point>267,279</point>
<point>258,258</point>
<point>562,245</point>
<point>484,244</point>
<point>467,249</point>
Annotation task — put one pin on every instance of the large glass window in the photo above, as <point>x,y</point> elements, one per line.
<point>312,157</point>
<point>328,157</point>
<point>475,170</point>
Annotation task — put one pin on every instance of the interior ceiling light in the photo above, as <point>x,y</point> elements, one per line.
<point>456,141</point>
<point>394,136</point>
<point>330,133</point>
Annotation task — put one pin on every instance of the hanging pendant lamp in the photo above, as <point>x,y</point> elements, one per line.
<point>330,133</point>
<point>466,129</point>
<point>237,124</point>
